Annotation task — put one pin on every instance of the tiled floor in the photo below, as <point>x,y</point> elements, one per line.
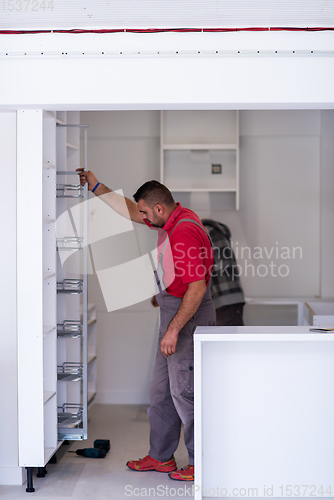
<point>81,478</point>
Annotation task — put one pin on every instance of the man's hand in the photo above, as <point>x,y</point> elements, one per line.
<point>87,176</point>
<point>189,305</point>
<point>122,205</point>
<point>168,342</point>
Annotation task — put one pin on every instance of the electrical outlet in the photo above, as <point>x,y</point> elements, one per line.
<point>216,168</point>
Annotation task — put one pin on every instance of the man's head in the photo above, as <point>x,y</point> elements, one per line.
<point>155,202</point>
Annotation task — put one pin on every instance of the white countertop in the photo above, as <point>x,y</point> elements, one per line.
<point>258,333</point>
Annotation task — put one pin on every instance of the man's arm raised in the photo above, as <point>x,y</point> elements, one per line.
<point>114,200</point>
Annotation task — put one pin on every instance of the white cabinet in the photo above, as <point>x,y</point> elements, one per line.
<point>263,411</point>
<point>53,331</point>
<point>36,285</point>
<point>199,151</point>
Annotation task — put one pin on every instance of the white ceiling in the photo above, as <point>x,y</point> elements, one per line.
<point>88,14</point>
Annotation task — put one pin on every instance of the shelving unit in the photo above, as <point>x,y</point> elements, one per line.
<point>71,245</point>
<point>52,287</point>
<point>194,145</point>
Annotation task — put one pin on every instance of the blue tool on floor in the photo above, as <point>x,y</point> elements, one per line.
<point>101,448</point>
<point>90,452</point>
<point>102,444</point>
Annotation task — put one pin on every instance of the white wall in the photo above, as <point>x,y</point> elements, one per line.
<point>327,203</point>
<point>283,164</point>
<point>123,152</point>
<point>279,202</point>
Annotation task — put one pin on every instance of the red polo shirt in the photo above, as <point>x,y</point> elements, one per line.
<point>188,256</point>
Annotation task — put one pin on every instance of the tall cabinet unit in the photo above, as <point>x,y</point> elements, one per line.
<point>71,232</point>
<point>36,285</point>
<point>199,151</point>
<point>52,287</point>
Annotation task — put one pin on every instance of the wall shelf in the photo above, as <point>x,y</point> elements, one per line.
<point>192,144</point>
<point>200,147</point>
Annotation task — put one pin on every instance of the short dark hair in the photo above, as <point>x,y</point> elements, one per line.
<point>154,192</point>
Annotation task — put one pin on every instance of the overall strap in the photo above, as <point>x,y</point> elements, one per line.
<point>161,254</point>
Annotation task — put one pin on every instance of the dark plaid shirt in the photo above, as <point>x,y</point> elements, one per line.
<point>225,281</point>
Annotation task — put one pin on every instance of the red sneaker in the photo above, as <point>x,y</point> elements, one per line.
<point>148,463</point>
<point>184,474</point>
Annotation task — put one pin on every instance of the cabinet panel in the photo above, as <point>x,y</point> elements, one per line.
<point>36,287</point>
<point>196,127</point>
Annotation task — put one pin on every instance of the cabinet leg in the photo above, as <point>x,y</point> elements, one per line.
<point>30,487</point>
<point>42,472</point>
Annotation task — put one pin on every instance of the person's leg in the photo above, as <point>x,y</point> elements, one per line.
<point>230,315</point>
<point>181,379</point>
<point>165,423</point>
<point>181,372</point>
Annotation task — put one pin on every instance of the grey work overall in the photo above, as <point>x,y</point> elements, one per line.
<point>172,386</point>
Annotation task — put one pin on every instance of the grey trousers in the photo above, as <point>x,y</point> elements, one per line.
<point>172,386</point>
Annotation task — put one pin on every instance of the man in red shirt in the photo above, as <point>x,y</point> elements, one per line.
<point>183,278</point>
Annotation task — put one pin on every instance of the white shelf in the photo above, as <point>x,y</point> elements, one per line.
<point>191,143</point>
<point>48,165</point>
<point>201,147</point>
<point>48,395</point>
